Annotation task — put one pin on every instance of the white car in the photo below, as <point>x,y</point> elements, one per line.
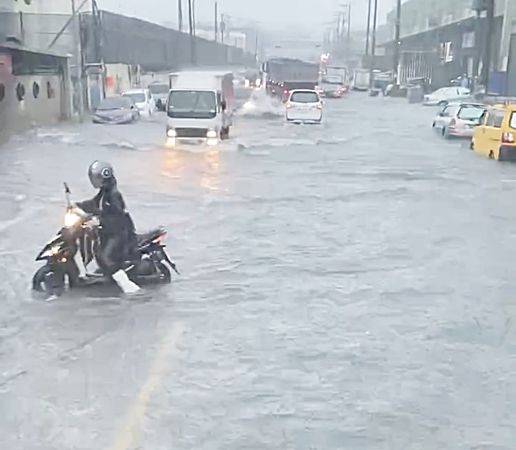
<point>304,106</point>
<point>143,100</point>
<point>459,119</point>
<point>447,95</point>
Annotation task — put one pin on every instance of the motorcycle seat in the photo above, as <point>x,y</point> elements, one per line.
<point>149,236</point>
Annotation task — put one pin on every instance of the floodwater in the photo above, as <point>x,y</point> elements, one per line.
<point>344,286</point>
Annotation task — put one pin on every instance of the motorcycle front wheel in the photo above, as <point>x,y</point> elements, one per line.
<point>46,280</point>
<point>165,274</point>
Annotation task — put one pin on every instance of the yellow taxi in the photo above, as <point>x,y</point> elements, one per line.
<point>496,136</point>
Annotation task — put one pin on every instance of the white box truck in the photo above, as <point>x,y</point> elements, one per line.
<point>199,107</point>
<point>361,80</point>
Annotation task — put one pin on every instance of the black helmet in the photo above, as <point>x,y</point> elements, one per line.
<point>100,173</point>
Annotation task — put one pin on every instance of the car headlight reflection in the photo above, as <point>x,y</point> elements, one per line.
<point>171,133</point>
<point>212,134</point>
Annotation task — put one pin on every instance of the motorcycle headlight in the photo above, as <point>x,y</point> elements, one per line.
<point>71,219</point>
<point>171,133</point>
<point>52,251</point>
<point>211,134</point>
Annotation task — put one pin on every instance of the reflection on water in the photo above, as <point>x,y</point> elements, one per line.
<point>210,177</point>
<point>173,164</point>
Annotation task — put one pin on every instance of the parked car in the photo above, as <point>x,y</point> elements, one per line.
<point>143,100</point>
<point>459,119</point>
<point>447,95</point>
<point>496,136</point>
<point>304,106</point>
<point>159,91</point>
<point>116,110</point>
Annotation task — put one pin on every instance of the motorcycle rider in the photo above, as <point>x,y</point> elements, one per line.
<point>118,236</point>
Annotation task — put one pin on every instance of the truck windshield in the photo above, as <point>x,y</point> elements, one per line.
<point>192,104</point>
<point>332,79</point>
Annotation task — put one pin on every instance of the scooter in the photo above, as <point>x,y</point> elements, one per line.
<point>76,245</point>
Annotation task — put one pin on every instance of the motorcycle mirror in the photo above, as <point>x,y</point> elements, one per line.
<point>67,188</point>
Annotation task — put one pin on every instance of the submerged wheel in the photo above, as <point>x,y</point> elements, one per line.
<point>491,154</point>
<point>47,281</point>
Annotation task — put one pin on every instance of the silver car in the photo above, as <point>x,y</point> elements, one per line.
<point>459,119</point>
<point>447,95</point>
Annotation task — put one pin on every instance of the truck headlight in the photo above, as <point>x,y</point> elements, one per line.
<point>211,134</point>
<point>171,133</point>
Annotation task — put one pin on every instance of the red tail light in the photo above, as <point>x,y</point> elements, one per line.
<point>508,138</point>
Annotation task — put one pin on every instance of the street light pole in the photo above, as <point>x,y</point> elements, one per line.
<point>216,22</point>
<point>373,44</point>
<point>79,90</point>
<point>397,44</point>
<point>368,32</point>
<point>486,65</point>
<point>180,15</point>
<point>191,30</point>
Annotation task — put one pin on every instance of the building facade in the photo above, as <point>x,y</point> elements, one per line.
<point>443,39</point>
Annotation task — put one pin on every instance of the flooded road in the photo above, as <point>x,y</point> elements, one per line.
<point>348,286</point>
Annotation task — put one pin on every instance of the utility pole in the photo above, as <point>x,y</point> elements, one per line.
<point>368,32</point>
<point>222,28</point>
<point>349,27</point>
<point>180,14</point>
<point>79,89</point>
<point>373,44</point>
<point>256,41</point>
<point>486,65</point>
<point>193,19</point>
<point>509,18</point>
<point>397,44</point>
<point>216,22</point>
<point>191,31</point>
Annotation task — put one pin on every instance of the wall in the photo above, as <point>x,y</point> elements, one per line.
<point>127,40</point>
<point>418,16</point>
<point>18,115</point>
<point>511,70</point>
<point>421,53</point>
<point>38,30</point>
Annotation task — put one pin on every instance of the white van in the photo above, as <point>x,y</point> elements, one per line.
<point>199,107</point>
<point>304,106</point>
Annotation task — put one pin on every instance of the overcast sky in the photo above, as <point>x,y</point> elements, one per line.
<point>269,13</point>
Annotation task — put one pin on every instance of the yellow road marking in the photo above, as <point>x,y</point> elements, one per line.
<point>130,432</point>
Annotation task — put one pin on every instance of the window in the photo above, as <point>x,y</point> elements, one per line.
<point>35,90</point>
<point>450,111</point>
<point>494,119</point>
<point>2,92</point>
<point>115,103</point>
<point>304,97</point>
<point>159,88</point>
<point>50,90</point>
<point>498,119</point>
<point>20,92</point>
<point>512,122</point>
<point>470,113</point>
<point>192,104</point>
<point>137,97</point>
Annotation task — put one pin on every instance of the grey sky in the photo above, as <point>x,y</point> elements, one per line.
<point>270,13</point>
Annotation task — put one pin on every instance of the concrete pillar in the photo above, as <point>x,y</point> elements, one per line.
<point>509,27</point>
